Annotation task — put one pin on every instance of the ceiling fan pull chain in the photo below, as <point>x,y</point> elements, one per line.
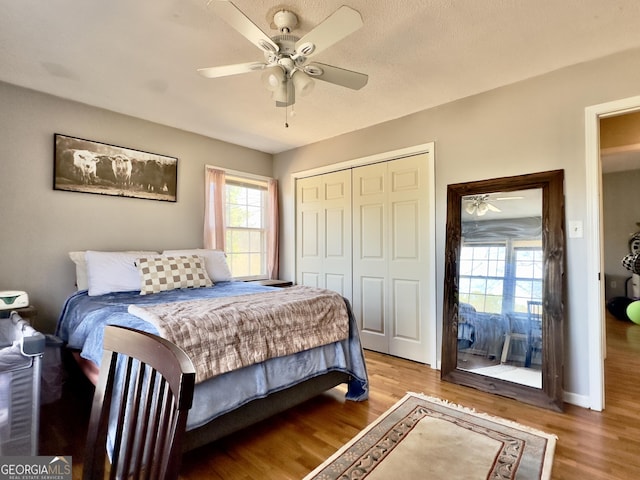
<point>286,107</point>
<point>286,124</point>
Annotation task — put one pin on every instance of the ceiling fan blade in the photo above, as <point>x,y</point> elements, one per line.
<point>339,76</point>
<point>335,27</point>
<point>238,20</point>
<point>493,208</point>
<point>226,70</point>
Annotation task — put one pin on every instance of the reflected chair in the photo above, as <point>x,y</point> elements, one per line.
<point>526,330</point>
<point>466,328</point>
<point>534,340</point>
<point>140,407</point>
<point>517,332</point>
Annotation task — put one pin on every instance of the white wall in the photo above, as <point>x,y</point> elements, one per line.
<point>621,212</point>
<point>531,126</point>
<point>39,225</point>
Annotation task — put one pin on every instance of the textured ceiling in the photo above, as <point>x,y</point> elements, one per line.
<point>140,58</point>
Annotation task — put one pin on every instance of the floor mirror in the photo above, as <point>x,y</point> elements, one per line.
<point>504,287</point>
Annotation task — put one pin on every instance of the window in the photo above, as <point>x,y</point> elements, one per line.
<point>528,277</point>
<point>501,277</point>
<point>482,276</point>
<point>241,218</point>
<point>246,227</point>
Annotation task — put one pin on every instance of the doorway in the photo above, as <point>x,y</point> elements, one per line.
<point>595,269</point>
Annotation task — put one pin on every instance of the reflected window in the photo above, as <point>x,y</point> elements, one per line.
<point>501,277</point>
<point>528,277</point>
<point>482,274</point>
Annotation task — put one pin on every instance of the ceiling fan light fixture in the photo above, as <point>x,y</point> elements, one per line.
<point>483,208</point>
<point>284,95</point>
<point>302,83</point>
<point>470,208</point>
<point>273,78</point>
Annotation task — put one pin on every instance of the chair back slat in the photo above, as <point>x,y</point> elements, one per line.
<point>147,395</point>
<point>144,440</point>
<point>163,445</point>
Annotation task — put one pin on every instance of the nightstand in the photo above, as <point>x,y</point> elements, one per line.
<point>273,283</point>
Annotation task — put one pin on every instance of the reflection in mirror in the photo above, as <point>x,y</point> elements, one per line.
<point>503,305</point>
<point>500,286</point>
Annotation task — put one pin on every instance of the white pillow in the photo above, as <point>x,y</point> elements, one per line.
<point>215,262</point>
<point>109,272</point>
<point>81,269</point>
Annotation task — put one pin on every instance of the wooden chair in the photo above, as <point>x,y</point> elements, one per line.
<point>146,387</point>
<point>529,333</point>
<point>534,341</point>
<point>517,332</point>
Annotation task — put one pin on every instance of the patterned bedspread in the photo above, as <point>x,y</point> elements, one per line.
<point>248,329</point>
<point>81,327</point>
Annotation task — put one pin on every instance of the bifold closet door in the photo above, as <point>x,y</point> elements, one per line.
<point>323,232</point>
<point>391,256</point>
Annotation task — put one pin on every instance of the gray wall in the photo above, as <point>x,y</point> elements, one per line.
<point>40,225</point>
<point>530,126</point>
<point>621,212</point>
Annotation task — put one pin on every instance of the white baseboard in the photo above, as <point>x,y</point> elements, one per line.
<point>577,400</point>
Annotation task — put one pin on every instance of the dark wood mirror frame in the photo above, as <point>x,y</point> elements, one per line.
<point>553,242</point>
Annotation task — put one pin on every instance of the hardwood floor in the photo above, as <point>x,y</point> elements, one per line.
<point>591,445</point>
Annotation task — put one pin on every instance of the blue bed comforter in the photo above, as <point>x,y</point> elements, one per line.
<point>83,319</point>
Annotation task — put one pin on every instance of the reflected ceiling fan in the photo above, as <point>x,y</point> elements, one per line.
<point>287,68</point>
<point>479,205</point>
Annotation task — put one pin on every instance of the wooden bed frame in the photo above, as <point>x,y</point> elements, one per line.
<point>245,415</point>
<point>261,409</point>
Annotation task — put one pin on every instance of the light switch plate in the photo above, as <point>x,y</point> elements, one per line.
<point>575,229</point>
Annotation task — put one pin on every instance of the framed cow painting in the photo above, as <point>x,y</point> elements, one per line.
<point>92,167</point>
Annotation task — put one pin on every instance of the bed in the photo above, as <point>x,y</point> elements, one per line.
<point>237,397</point>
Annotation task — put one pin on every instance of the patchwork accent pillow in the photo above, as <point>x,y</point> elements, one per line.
<point>158,274</point>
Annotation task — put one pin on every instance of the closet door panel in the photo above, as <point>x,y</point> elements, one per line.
<point>371,232</point>
<point>310,279</point>
<point>323,232</point>
<point>309,232</point>
<point>338,283</point>
<point>404,220</point>
<point>406,305</point>
<point>337,239</point>
<point>370,255</point>
<point>372,314</point>
<point>368,237</point>
<point>409,264</point>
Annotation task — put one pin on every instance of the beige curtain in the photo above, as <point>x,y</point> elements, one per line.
<point>214,229</point>
<point>273,241</point>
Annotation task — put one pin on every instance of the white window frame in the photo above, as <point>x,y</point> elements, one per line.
<point>509,278</point>
<point>248,179</point>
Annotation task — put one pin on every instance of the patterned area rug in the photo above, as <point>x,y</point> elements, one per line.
<point>425,437</point>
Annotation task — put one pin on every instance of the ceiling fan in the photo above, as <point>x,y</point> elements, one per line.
<point>287,69</point>
<point>479,205</point>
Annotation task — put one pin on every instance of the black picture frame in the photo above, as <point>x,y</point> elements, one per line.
<point>87,166</point>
